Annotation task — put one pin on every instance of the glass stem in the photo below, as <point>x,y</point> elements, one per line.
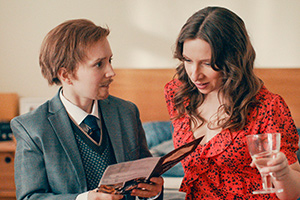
<point>266,181</point>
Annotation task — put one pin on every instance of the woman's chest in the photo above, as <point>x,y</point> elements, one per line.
<point>224,148</point>
<point>205,131</point>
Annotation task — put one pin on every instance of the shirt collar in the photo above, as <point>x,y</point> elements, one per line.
<point>77,114</point>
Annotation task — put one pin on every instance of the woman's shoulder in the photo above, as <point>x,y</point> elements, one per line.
<point>270,99</point>
<point>266,95</point>
<point>172,85</point>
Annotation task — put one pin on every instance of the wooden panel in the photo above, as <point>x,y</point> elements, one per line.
<point>145,88</point>
<point>9,106</point>
<point>7,185</point>
<point>7,195</point>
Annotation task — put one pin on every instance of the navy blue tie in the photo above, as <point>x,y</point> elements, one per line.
<point>94,130</point>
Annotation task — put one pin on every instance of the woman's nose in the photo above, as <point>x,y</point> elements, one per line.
<point>197,74</point>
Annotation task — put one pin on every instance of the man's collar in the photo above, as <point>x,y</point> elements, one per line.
<point>77,113</point>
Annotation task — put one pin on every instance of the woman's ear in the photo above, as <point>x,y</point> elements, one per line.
<point>64,76</point>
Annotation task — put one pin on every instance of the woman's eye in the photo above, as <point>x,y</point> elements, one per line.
<point>186,60</point>
<point>110,60</point>
<point>207,64</point>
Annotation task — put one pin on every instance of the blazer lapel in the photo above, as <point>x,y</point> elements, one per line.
<point>62,127</point>
<point>111,119</point>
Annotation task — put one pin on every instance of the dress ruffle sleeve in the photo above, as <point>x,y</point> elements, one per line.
<point>278,119</point>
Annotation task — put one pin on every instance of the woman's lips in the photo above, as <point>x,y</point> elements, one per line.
<point>201,85</point>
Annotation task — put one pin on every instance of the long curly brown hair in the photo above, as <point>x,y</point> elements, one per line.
<point>232,55</point>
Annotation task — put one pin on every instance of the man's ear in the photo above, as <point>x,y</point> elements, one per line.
<point>64,76</point>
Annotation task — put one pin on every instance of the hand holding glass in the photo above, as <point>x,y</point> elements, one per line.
<point>263,148</point>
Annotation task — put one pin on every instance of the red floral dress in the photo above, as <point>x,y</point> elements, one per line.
<point>220,169</point>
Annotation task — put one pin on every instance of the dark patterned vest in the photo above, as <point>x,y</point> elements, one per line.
<point>95,159</point>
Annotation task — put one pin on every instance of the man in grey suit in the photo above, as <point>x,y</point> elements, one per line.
<point>64,146</point>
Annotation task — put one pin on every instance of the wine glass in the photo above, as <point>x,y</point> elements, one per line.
<point>263,148</point>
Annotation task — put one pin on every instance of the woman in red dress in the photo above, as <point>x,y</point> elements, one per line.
<point>216,94</point>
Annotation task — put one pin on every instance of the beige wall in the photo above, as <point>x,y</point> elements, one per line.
<point>142,33</point>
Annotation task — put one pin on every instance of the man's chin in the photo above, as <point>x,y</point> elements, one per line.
<point>102,97</point>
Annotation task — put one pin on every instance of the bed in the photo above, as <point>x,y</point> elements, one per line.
<point>144,87</point>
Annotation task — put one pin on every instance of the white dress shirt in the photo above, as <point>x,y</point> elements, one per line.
<point>78,115</point>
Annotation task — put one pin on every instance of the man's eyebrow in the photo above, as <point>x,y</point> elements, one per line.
<point>98,60</point>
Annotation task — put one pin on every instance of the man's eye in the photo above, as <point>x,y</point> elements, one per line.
<point>99,64</point>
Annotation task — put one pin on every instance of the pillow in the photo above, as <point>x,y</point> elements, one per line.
<point>157,132</point>
<point>159,140</point>
<point>161,150</point>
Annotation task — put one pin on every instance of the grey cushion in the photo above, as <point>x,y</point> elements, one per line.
<point>157,132</point>
<point>159,139</point>
<point>161,150</point>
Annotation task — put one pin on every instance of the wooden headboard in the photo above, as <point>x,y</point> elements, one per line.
<point>145,88</point>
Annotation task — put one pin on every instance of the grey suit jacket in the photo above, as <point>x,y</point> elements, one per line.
<point>47,161</point>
